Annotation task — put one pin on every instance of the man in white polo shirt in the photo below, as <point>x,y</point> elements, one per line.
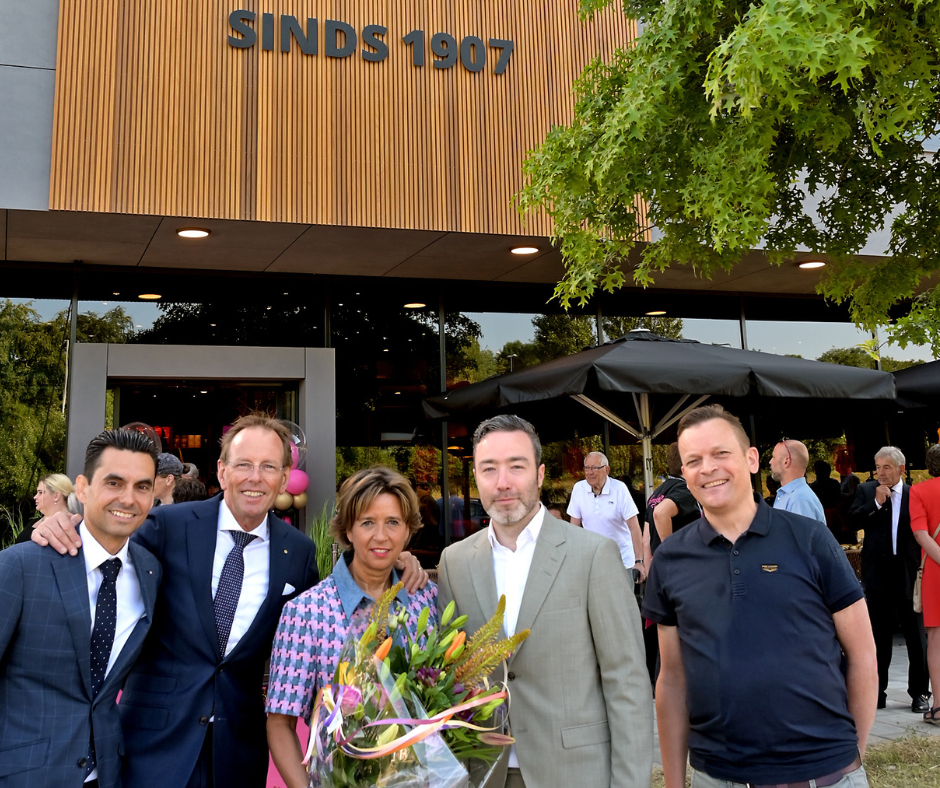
<point>605,506</point>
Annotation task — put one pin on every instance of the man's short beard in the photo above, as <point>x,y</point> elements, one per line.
<point>502,518</point>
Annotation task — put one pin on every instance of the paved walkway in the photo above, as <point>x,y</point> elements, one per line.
<point>897,719</point>
<point>893,722</point>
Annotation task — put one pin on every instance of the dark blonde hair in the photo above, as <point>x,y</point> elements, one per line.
<point>266,422</point>
<point>58,483</point>
<point>359,491</point>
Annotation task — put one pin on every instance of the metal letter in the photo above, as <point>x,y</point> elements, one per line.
<point>370,37</point>
<point>332,28</point>
<point>237,21</point>
<point>267,32</point>
<point>291,27</point>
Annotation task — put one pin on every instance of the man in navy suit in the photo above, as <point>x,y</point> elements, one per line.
<point>71,630</point>
<point>192,710</point>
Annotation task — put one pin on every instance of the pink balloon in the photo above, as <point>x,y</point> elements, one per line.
<point>297,482</point>
<point>294,456</point>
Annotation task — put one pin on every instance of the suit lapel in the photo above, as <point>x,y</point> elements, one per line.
<point>547,560</point>
<point>201,535</point>
<point>73,589</point>
<point>484,581</point>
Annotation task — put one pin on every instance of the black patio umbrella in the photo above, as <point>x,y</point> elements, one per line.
<point>918,386</point>
<point>625,381</point>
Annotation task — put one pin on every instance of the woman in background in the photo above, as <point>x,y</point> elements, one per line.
<point>52,496</point>
<point>925,517</point>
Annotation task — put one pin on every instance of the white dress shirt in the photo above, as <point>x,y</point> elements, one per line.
<point>511,569</point>
<point>130,603</point>
<point>257,571</point>
<point>896,493</point>
<point>606,513</point>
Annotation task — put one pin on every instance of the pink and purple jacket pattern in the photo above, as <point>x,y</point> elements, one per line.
<point>312,631</point>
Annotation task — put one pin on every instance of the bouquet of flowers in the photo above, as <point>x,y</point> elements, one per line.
<point>411,713</point>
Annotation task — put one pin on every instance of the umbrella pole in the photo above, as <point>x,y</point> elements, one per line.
<point>647,441</point>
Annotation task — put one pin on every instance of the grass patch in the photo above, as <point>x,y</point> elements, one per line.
<point>911,762</point>
<point>903,763</point>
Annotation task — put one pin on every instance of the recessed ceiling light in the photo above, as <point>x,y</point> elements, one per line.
<point>812,264</point>
<point>150,296</point>
<point>524,249</point>
<point>385,350</point>
<point>415,305</point>
<point>192,232</point>
<point>656,313</point>
<point>115,294</point>
<point>455,448</point>
<point>398,392</point>
<point>203,392</point>
<point>212,324</point>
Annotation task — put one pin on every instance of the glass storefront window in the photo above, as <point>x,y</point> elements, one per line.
<point>33,352</point>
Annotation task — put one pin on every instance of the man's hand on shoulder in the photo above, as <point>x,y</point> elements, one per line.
<point>59,532</point>
<point>412,574</point>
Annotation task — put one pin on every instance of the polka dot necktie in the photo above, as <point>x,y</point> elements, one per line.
<point>102,636</point>
<point>230,587</point>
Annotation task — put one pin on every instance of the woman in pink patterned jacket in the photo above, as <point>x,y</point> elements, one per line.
<point>376,515</point>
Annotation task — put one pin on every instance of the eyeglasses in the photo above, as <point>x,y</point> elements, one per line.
<point>594,467</point>
<point>784,442</point>
<point>267,469</point>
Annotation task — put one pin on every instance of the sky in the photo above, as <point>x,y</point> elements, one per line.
<point>809,340</point>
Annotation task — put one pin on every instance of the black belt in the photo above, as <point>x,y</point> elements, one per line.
<point>819,782</point>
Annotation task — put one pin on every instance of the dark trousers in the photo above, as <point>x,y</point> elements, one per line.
<point>202,774</point>
<point>890,609</point>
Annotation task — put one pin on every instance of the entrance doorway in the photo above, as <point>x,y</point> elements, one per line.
<point>190,417</point>
<point>193,391</point>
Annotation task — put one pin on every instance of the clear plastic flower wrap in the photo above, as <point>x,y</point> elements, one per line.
<point>405,713</point>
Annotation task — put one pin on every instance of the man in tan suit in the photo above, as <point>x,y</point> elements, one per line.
<point>581,705</point>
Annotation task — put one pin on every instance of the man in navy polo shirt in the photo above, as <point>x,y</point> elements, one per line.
<point>756,608</point>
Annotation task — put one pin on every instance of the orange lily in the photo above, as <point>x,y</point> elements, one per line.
<point>382,651</point>
<point>458,642</point>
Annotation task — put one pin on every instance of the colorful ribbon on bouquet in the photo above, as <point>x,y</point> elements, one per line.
<point>333,724</point>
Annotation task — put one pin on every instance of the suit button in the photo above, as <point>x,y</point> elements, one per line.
<point>83,762</point>
<point>221,668</point>
<point>203,720</point>
<point>512,676</point>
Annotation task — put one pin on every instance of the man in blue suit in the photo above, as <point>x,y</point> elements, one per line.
<point>192,710</point>
<point>70,630</point>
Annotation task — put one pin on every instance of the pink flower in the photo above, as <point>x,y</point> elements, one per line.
<point>497,739</point>
<point>351,698</point>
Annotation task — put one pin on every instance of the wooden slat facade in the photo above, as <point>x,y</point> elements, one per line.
<point>156,114</point>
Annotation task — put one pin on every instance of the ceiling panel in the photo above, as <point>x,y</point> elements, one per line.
<point>363,251</point>
<point>297,249</point>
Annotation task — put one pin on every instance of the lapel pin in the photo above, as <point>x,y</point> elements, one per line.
<point>285,552</point>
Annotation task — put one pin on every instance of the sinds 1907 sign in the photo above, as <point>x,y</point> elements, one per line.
<point>341,40</point>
